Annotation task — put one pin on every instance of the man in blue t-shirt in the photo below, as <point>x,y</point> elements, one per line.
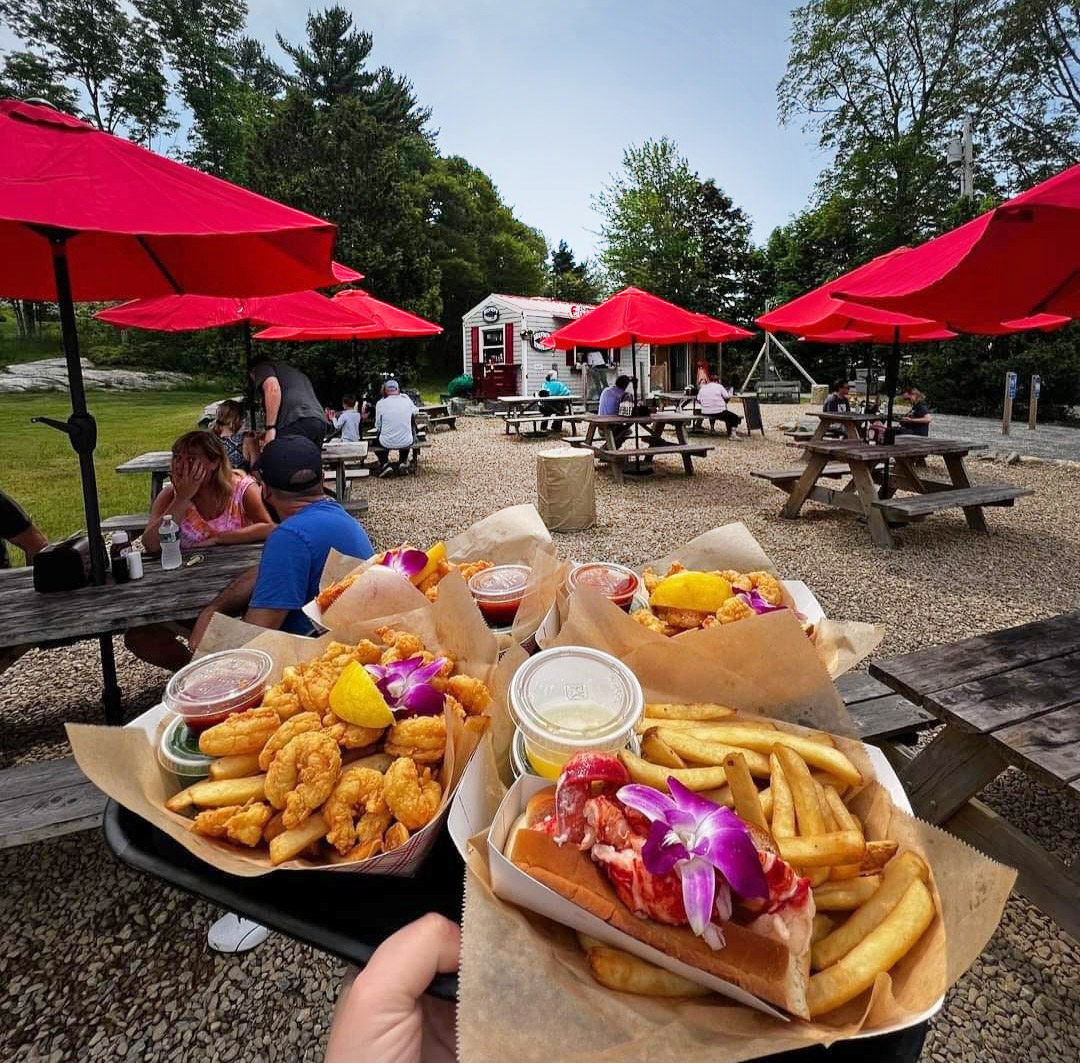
<point>287,577</point>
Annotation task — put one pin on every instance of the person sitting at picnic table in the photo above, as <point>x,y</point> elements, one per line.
<point>228,426</point>
<point>916,422</point>
<point>17,528</point>
<point>395,429</point>
<point>552,386</point>
<point>611,398</point>
<point>837,399</point>
<point>292,407</point>
<point>712,398</point>
<point>347,423</point>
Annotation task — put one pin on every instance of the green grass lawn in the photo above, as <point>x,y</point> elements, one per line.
<point>40,470</point>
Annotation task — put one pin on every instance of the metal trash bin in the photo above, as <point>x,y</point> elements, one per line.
<point>566,488</point>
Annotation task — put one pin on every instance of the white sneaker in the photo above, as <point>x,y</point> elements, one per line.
<point>231,933</point>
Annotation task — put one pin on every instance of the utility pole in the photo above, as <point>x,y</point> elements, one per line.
<point>961,156</point>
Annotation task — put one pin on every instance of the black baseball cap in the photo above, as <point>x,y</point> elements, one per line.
<point>291,463</point>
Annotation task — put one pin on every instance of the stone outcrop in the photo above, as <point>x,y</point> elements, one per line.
<point>50,374</point>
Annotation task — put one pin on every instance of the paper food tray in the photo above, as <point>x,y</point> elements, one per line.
<point>513,885</point>
<point>801,595</point>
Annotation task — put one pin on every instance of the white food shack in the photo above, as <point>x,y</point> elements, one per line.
<point>506,340</point>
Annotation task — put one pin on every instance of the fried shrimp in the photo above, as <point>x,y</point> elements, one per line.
<point>413,797</point>
<point>470,692</point>
<point>302,775</point>
<point>421,737</point>
<point>243,732</point>
<point>295,725</point>
<point>282,700</point>
<point>242,824</point>
<point>327,597</point>
<point>356,810</point>
<point>350,735</point>
<point>398,834</point>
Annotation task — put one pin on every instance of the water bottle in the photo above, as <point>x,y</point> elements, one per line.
<point>169,537</point>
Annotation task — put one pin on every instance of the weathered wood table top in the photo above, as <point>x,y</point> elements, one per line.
<point>910,447</point>
<point>1008,698</point>
<point>530,400</point>
<point>28,618</point>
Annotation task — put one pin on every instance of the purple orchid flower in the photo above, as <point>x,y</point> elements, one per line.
<point>406,686</point>
<point>757,603</point>
<point>700,838</point>
<point>405,561</point>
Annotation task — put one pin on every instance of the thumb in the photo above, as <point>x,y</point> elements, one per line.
<point>404,965</point>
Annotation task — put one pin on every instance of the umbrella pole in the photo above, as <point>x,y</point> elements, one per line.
<point>249,383</point>
<point>891,374</point>
<point>81,429</point>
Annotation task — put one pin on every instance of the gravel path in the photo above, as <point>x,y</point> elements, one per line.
<point>88,977</point>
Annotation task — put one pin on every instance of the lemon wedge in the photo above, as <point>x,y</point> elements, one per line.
<point>356,699</point>
<point>435,554</point>
<point>704,592</point>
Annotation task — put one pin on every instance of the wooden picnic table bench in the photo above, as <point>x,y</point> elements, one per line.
<point>878,507</point>
<point>646,436</point>
<point>1008,698</point>
<point>832,471</point>
<point>439,414</point>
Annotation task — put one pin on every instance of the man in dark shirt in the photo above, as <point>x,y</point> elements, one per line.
<point>837,401</point>
<point>292,407</point>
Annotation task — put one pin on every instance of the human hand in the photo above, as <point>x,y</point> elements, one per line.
<point>268,436</point>
<point>188,476</point>
<point>385,1015</point>
<point>201,624</point>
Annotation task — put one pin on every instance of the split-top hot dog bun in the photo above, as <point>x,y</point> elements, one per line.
<point>758,964</point>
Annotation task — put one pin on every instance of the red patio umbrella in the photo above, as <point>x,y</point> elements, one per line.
<point>190,313</point>
<point>1017,261</point>
<point>87,216</point>
<point>372,319</point>
<point>632,316</point>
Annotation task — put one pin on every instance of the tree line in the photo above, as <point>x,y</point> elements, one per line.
<point>880,86</point>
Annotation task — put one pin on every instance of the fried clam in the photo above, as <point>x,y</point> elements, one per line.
<point>299,724</point>
<point>356,810</point>
<point>243,732</point>
<point>302,775</point>
<point>413,795</point>
<point>680,619</point>
<point>401,645</point>
<point>738,580</point>
<point>734,609</point>
<point>423,738</point>
<point>242,824</point>
<point>646,618</point>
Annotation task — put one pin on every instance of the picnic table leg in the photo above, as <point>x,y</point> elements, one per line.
<point>805,484</point>
<point>875,519</point>
<point>819,432</point>
<point>851,430</point>
<point>614,462</point>
<point>682,435</point>
<point>954,767</point>
<point>339,481</point>
<point>157,482</point>
<point>110,693</point>
<point>974,514</point>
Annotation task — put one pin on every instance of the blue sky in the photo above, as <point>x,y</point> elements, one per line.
<point>544,95</point>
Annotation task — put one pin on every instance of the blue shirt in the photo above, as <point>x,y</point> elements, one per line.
<point>610,400</point>
<point>554,387</point>
<point>294,556</point>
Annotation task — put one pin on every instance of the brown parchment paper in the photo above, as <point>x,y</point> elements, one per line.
<point>122,762</point>
<point>841,644</point>
<point>511,955</point>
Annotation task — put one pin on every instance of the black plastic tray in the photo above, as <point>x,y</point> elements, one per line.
<point>356,913</point>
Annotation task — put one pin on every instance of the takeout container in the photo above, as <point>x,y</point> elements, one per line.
<point>178,751</point>
<point>617,583</point>
<point>213,687</point>
<point>499,592</point>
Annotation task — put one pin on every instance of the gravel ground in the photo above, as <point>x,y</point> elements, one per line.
<point>89,978</point>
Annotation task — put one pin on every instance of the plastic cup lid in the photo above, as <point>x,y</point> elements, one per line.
<point>501,583</point>
<point>567,675</point>
<point>630,578</point>
<point>216,681</point>
<point>178,750</point>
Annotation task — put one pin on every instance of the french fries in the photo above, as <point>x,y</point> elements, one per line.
<point>743,791</point>
<point>783,810</point>
<point>721,796</point>
<point>654,775</point>
<point>846,894</point>
<point>878,855</point>
<point>291,843</point>
<point>898,875</point>
<point>695,711</point>
<point>822,850</point>
<point>808,815</point>
<point>883,946</point>
<point>275,826</point>
<point>699,726</point>
<point>844,820</point>
<point>234,767</point>
<point>823,925</point>
<point>625,973</point>
<point>218,793</point>
<point>693,748</point>
<point>654,748</point>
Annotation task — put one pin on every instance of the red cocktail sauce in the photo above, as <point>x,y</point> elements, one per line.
<point>498,592</point>
<point>212,688</point>
<point>614,582</point>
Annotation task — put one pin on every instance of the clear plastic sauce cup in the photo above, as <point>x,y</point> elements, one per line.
<point>573,698</point>
<point>498,592</point>
<point>213,687</point>
<point>615,582</point>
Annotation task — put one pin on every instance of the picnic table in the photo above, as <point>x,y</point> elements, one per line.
<point>853,425</point>
<point>879,508</point>
<point>29,619</point>
<point>638,457</point>
<point>1008,698</point>
<point>684,402</point>
<point>438,413</point>
<point>537,409</point>
<point>335,455</point>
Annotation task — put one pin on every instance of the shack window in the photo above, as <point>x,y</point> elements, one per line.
<point>493,345</point>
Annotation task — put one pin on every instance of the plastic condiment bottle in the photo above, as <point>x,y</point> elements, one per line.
<point>119,548</point>
<point>169,537</point>
<point>134,563</point>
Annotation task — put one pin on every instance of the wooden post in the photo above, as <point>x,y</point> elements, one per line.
<point>1033,400</point>
<point>1010,394</point>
